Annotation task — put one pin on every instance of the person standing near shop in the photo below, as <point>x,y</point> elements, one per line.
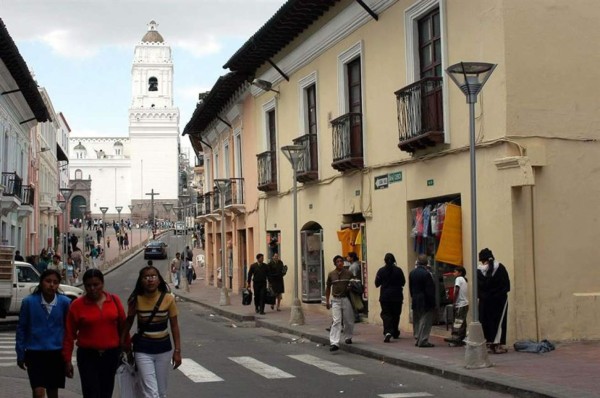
<point>422,292</point>
<point>40,333</point>
<point>175,268</point>
<point>96,322</point>
<point>155,310</point>
<point>275,277</point>
<point>391,296</point>
<point>342,312</point>
<point>493,287</point>
<point>257,274</point>
<point>461,308</point>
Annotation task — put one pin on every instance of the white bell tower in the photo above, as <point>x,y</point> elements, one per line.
<point>153,120</point>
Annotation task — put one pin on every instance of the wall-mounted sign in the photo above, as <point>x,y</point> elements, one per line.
<point>430,183</point>
<point>395,177</point>
<point>381,182</point>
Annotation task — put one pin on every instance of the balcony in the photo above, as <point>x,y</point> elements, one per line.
<point>420,114</point>
<point>234,196</point>
<point>26,208</point>
<point>267,171</point>
<point>13,191</point>
<point>203,206</point>
<point>308,168</point>
<point>347,142</point>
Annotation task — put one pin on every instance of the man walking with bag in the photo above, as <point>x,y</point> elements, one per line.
<point>341,308</point>
<point>258,274</point>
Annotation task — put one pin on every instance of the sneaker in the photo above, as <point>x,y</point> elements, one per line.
<point>333,348</point>
<point>388,337</point>
<point>348,341</point>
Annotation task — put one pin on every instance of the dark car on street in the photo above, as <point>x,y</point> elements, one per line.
<point>155,249</point>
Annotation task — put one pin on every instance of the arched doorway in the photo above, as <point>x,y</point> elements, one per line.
<point>75,210</point>
<point>313,271</point>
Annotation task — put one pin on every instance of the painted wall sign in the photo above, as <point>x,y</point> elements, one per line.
<point>430,183</point>
<point>381,182</point>
<point>395,177</point>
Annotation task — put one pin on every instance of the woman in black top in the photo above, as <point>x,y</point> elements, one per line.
<point>391,279</point>
<point>276,278</point>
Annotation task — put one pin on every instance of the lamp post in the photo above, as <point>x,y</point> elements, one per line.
<point>82,209</point>
<point>66,193</point>
<point>184,199</point>
<point>152,195</point>
<point>63,205</point>
<point>120,237</point>
<point>470,78</point>
<point>140,205</point>
<point>221,185</point>
<point>103,210</point>
<point>295,154</point>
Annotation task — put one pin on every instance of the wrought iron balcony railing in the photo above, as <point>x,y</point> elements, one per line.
<point>234,193</point>
<point>13,184</point>
<point>267,171</point>
<point>420,114</point>
<point>308,168</point>
<point>347,142</point>
<point>28,195</point>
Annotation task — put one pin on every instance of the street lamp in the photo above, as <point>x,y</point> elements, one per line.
<point>66,193</point>
<point>82,209</point>
<point>168,207</point>
<point>222,185</point>
<point>120,237</point>
<point>470,78</point>
<point>295,154</point>
<point>103,210</point>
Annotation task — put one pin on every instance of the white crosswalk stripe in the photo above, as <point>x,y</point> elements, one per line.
<point>406,395</point>
<point>197,373</point>
<point>8,356</point>
<point>328,366</point>
<point>261,368</point>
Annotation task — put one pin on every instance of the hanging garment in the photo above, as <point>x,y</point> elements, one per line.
<point>434,223</point>
<point>347,237</point>
<point>426,218</point>
<point>450,249</point>
<point>441,216</point>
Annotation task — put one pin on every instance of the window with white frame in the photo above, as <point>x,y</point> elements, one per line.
<point>349,79</point>
<point>237,150</point>
<point>226,162</point>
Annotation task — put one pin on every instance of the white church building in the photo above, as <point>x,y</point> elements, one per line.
<point>122,171</point>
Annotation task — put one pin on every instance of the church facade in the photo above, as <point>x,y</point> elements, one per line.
<point>130,171</point>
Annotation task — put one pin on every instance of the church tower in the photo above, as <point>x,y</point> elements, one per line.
<point>153,120</point>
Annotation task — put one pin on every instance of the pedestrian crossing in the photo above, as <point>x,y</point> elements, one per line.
<point>8,356</point>
<point>197,373</point>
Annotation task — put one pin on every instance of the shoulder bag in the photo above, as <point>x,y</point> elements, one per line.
<point>141,327</point>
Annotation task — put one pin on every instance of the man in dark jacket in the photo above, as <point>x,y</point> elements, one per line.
<point>422,292</point>
<point>258,273</point>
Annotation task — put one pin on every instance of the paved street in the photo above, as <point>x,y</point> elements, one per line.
<point>226,355</point>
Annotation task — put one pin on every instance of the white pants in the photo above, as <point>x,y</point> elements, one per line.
<point>153,371</point>
<point>175,278</point>
<point>341,311</point>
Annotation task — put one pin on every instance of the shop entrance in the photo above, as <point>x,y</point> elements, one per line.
<point>434,220</point>
<point>313,271</point>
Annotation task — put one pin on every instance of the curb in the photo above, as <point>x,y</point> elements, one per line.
<point>498,383</point>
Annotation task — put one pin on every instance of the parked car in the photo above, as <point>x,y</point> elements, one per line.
<point>155,249</point>
<point>26,279</point>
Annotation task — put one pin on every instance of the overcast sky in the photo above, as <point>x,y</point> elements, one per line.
<point>81,51</point>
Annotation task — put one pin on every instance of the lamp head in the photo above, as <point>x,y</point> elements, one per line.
<point>104,210</point>
<point>294,153</point>
<point>119,208</point>
<point>66,193</point>
<point>221,184</point>
<point>470,77</point>
<point>264,85</point>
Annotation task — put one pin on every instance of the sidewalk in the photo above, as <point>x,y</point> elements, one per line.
<point>570,371</point>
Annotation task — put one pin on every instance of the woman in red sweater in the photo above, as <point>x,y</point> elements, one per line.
<point>95,320</point>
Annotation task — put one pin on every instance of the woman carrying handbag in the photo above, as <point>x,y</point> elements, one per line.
<point>155,309</point>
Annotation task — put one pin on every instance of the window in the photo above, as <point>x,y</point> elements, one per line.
<point>226,165</point>
<point>238,154</point>
<point>354,86</point>
<point>311,108</point>
<point>78,174</point>
<point>153,84</point>
<point>430,45</point>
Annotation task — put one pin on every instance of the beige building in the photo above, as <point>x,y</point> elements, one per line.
<point>387,135</point>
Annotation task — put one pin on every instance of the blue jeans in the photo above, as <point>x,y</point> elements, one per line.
<point>153,371</point>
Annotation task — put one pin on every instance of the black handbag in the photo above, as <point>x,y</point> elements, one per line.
<point>246,297</point>
<point>270,296</point>
<point>142,327</point>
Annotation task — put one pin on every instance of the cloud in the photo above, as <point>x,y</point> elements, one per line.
<point>199,48</point>
<point>63,43</point>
